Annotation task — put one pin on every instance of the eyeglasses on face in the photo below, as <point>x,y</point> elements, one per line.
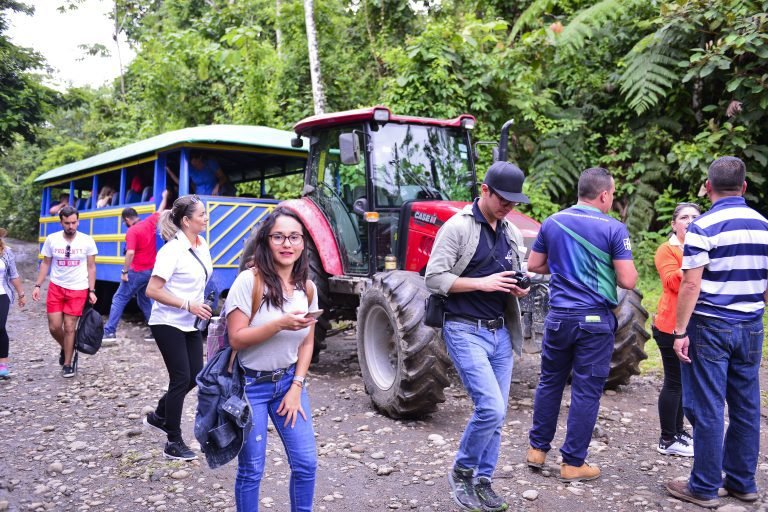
<point>293,238</point>
<point>503,202</point>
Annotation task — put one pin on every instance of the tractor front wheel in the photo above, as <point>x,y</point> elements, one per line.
<point>403,362</point>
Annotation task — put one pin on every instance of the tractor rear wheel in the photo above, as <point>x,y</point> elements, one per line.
<point>319,277</point>
<point>630,341</point>
<point>403,362</point>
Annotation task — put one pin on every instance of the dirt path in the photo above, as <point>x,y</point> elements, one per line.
<point>79,444</point>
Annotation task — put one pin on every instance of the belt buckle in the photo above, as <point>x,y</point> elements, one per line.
<point>277,375</point>
<point>495,324</point>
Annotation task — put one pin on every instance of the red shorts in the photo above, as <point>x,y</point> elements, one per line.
<point>62,300</point>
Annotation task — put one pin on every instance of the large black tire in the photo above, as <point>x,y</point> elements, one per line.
<point>318,276</point>
<point>403,362</point>
<point>631,336</point>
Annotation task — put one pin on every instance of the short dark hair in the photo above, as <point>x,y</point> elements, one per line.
<point>129,213</point>
<point>593,181</point>
<point>68,211</point>
<point>727,174</point>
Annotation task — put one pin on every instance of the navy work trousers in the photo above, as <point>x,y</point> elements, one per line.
<point>577,342</point>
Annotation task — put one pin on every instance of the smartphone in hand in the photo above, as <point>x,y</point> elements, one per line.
<point>317,313</point>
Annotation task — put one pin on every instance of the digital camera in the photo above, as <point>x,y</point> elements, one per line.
<point>523,281</point>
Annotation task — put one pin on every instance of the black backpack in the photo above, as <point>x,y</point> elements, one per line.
<point>90,330</point>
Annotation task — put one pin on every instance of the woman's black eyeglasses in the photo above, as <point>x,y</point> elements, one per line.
<point>293,238</point>
<point>67,251</point>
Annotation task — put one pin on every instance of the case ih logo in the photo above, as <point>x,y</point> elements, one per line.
<point>425,217</point>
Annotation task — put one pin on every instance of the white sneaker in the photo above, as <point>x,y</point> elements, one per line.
<point>678,446</point>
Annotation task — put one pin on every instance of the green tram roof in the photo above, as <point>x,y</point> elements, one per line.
<point>243,135</point>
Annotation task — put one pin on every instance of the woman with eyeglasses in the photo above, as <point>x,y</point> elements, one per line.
<point>674,439</point>
<point>182,269</point>
<point>275,348</point>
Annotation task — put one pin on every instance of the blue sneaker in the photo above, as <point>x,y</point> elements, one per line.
<point>3,370</point>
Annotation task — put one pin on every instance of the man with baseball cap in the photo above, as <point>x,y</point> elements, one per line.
<point>473,263</point>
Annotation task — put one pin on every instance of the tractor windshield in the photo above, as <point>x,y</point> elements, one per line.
<point>420,162</point>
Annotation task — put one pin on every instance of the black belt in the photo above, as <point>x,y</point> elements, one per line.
<point>491,325</point>
<point>268,375</point>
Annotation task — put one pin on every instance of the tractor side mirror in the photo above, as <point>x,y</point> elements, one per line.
<point>349,149</point>
<point>297,142</point>
<point>360,206</point>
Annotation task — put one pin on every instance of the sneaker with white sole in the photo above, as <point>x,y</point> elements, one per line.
<point>178,451</point>
<point>677,446</point>
<point>109,337</point>
<point>67,371</point>
<point>149,338</point>
<point>685,436</point>
<point>154,422</point>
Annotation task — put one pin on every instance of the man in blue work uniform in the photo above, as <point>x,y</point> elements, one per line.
<point>472,262</point>
<point>588,253</point>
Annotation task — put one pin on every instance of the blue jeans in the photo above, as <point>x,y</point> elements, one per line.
<point>572,346</point>
<point>136,286</point>
<point>725,360</point>
<point>299,443</point>
<point>483,359</point>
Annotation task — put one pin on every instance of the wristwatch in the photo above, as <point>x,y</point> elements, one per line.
<point>679,335</point>
<point>92,291</point>
<point>123,271</point>
<point>299,380</point>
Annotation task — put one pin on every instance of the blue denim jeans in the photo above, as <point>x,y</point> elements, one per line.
<point>572,346</point>
<point>483,359</point>
<point>725,360</point>
<point>136,286</point>
<point>299,443</point>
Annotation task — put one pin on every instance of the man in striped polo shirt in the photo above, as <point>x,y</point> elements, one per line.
<point>719,337</point>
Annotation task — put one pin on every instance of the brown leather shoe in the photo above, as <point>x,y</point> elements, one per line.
<point>749,497</point>
<point>582,473</point>
<point>681,491</point>
<point>535,458</point>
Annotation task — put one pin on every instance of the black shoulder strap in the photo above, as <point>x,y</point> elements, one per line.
<point>201,263</point>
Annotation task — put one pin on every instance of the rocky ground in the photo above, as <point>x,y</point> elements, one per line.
<point>79,444</point>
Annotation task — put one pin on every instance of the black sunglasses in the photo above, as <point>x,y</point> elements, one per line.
<point>66,254</point>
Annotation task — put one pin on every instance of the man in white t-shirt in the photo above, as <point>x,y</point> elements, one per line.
<point>71,258</point>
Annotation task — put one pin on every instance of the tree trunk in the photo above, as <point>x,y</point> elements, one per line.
<point>278,32</point>
<point>116,37</point>
<point>318,93</point>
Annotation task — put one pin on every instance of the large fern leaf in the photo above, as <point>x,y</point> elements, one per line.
<point>534,12</point>
<point>557,165</point>
<point>579,29</point>
<point>651,70</point>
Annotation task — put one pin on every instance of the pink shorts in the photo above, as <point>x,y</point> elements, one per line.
<point>62,300</point>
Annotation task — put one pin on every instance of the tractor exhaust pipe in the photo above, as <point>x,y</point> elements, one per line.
<point>504,141</point>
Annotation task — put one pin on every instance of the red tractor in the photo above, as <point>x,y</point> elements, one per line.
<point>378,186</point>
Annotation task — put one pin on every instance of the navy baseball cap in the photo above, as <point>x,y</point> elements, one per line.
<point>506,180</point>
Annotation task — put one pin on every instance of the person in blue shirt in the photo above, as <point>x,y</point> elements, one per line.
<point>588,253</point>
<point>206,175</point>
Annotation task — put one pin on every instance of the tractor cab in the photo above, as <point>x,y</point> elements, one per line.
<point>366,169</point>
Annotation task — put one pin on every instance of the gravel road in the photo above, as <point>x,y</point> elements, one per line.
<point>78,444</point>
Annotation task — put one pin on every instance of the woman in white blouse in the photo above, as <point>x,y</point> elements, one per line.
<point>182,269</point>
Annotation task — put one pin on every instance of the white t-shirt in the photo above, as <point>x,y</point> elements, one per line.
<point>184,277</point>
<point>70,272</point>
<point>2,271</point>
<point>282,349</point>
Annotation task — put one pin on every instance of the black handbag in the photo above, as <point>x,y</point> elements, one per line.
<point>434,314</point>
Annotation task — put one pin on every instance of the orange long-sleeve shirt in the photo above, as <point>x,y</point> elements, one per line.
<point>668,260</point>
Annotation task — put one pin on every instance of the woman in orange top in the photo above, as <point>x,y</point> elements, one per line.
<point>674,439</point>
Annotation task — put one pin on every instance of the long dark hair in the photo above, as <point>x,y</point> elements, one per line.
<point>265,264</point>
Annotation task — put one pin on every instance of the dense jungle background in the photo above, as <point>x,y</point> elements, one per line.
<point>652,90</point>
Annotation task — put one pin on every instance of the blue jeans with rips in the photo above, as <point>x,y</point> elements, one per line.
<point>299,443</point>
<point>572,346</point>
<point>725,361</point>
<point>483,359</point>
<point>135,286</point>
